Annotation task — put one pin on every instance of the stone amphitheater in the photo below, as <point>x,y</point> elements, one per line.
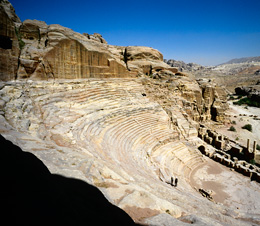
<point>129,130</point>
<point>106,132</point>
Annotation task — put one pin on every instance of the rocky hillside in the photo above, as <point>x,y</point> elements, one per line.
<point>122,120</point>
<point>182,66</point>
<point>234,73</point>
<point>243,60</point>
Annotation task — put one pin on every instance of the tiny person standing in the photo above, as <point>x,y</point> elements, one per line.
<point>176,182</point>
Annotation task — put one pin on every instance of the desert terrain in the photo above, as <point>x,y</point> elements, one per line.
<point>240,116</point>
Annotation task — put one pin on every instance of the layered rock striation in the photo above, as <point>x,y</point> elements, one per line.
<point>57,52</point>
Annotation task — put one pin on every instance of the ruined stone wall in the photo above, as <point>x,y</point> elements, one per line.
<point>230,153</point>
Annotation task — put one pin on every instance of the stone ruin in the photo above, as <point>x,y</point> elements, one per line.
<point>230,153</point>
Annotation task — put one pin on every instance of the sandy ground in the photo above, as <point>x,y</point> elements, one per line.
<point>227,186</point>
<point>242,116</point>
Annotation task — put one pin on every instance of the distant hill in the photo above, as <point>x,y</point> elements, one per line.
<point>183,66</point>
<point>243,60</point>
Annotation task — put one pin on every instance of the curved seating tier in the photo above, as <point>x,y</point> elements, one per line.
<point>112,120</point>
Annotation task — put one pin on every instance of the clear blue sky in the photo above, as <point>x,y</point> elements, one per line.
<point>207,32</point>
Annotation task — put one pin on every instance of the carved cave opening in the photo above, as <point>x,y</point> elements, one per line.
<point>5,42</point>
<point>213,112</point>
<point>202,149</point>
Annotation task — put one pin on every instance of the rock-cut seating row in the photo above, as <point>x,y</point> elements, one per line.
<point>113,120</point>
<point>176,159</point>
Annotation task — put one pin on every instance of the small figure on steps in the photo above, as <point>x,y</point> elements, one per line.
<point>172,181</point>
<point>176,182</point>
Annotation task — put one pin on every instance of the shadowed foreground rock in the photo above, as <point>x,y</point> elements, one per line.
<point>31,195</point>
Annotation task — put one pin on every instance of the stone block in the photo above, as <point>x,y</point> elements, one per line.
<point>226,162</point>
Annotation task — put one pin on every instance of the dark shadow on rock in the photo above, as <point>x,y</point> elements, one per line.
<point>31,195</point>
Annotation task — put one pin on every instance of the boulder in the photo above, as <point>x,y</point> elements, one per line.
<point>135,53</point>
<point>146,60</point>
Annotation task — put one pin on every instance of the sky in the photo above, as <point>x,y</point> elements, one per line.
<point>206,32</point>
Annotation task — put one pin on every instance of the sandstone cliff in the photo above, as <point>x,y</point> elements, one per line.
<point>52,51</point>
<point>9,47</point>
<point>57,52</point>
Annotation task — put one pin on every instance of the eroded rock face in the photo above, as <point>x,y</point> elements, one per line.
<point>148,61</point>
<point>9,48</point>
<point>57,52</point>
<point>215,100</point>
<point>188,99</point>
<point>252,92</point>
<point>70,59</point>
<point>53,51</point>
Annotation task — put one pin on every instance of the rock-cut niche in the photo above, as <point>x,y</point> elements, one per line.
<point>70,59</point>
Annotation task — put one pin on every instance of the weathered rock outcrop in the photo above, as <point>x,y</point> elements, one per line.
<point>146,60</point>
<point>215,100</point>
<point>57,52</point>
<point>53,51</point>
<point>182,66</point>
<point>196,101</point>
<point>141,60</point>
<point>252,92</point>
<point>9,47</point>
